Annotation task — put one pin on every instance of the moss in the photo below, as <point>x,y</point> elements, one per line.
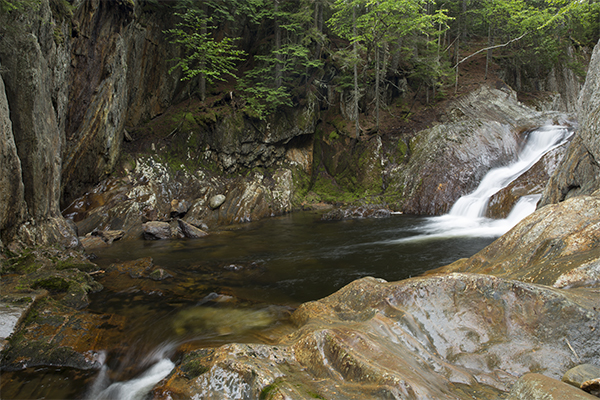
<point>270,390</point>
<point>51,283</point>
<point>72,263</point>
<point>61,10</point>
<point>59,37</point>
<point>24,263</point>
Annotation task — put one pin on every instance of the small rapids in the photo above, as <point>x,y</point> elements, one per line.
<point>158,366</point>
<point>467,216</point>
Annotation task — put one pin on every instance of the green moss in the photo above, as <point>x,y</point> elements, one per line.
<point>24,263</point>
<point>59,38</point>
<point>73,263</point>
<point>270,390</point>
<point>51,283</point>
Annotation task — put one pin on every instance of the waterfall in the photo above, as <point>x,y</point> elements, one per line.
<point>467,216</point>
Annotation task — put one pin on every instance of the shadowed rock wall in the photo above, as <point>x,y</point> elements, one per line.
<point>579,172</point>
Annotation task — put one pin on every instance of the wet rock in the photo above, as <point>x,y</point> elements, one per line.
<point>124,204</point>
<point>580,374</point>
<point>179,208</point>
<point>197,223</point>
<point>531,182</point>
<point>579,171</point>
<point>545,246</point>
<point>356,212</point>
<point>157,230</point>
<point>11,185</point>
<point>216,201</point>
<point>190,231</point>
<point>586,275</point>
<point>540,387</point>
<point>442,337</point>
<point>53,335</point>
<point>140,268</point>
<point>159,274</point>
<point>13,308</point>
<point>135,269</point>
<point>90,243</point>
<point>592,386</point>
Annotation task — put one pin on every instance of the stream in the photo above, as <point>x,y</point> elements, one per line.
<point>242,284</point>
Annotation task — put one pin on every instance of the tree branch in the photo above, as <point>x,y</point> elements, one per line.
<point>489,48</point>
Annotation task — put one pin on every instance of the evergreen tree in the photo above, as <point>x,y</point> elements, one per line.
<point>204,56</point>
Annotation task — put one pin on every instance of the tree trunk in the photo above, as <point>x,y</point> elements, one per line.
<point>355,50</point>
<point>278,62</point>
<point>203,31</point>
<point>488,57</point>
<point>377,87</point>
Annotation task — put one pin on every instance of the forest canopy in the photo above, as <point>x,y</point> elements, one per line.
<point>279,51</point>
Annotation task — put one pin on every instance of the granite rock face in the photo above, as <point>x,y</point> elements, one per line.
<point>579,171</point>
<point>483,130</point>
<point>440,337</point>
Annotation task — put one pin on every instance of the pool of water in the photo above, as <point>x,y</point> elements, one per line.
<point>237,285</point>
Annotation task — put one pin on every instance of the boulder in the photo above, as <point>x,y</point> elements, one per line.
<point>190,231</point>
<point>216,201</point>
<point>545,247</point>
<point>578,375</point>
<point>540,387</point>
<point>439,337</point>
<point>157,230</point>
<point>179,208</point>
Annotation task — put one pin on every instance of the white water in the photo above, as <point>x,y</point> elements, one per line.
<point>467,216</point>
<point>137,388</point>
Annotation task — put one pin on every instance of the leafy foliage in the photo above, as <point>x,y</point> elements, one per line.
<point>204,55</point>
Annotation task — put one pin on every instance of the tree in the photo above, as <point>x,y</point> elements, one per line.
<point>373,24</point>
<point>280,69</point>
<point>205,56</point>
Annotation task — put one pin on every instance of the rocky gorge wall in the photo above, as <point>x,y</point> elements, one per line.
<point>90,73</point>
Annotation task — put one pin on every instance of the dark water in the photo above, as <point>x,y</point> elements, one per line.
<point>238,285</point>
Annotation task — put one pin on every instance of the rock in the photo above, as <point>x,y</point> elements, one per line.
<point>586,275</point>
<point>190,231</point>
<point>539,387</point>
<point>109,236</point>
<point>135,269</point>
<point>578,375</point>
<point>439,337</point>
<point>216,201</point>
<point>13,308</point>
<point>157,230</point>
<point>545,246</point>
<point>592,386</point>
<point>92,242</point>
<point>12,199</point>
<point>356,212</point>
<point>481,130</point>
<point>57,337</point>
<point>159,275</point>
<point>579,171</point>
<point>197,223</point>
<point>531,182</point>
<point>179,208</point>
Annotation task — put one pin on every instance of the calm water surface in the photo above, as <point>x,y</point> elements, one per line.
<point>238,285</point>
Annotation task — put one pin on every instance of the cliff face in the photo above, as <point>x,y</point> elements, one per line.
<point>579,172</point>
<point>72,80</point>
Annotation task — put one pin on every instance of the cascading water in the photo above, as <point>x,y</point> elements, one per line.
<point>467,216</point>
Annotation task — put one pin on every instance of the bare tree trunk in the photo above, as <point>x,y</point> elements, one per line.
<point>489,52</point>
<point>278,62</point>
<point>377,87</point>
<point>355,50</point>
<point>203,31</point>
